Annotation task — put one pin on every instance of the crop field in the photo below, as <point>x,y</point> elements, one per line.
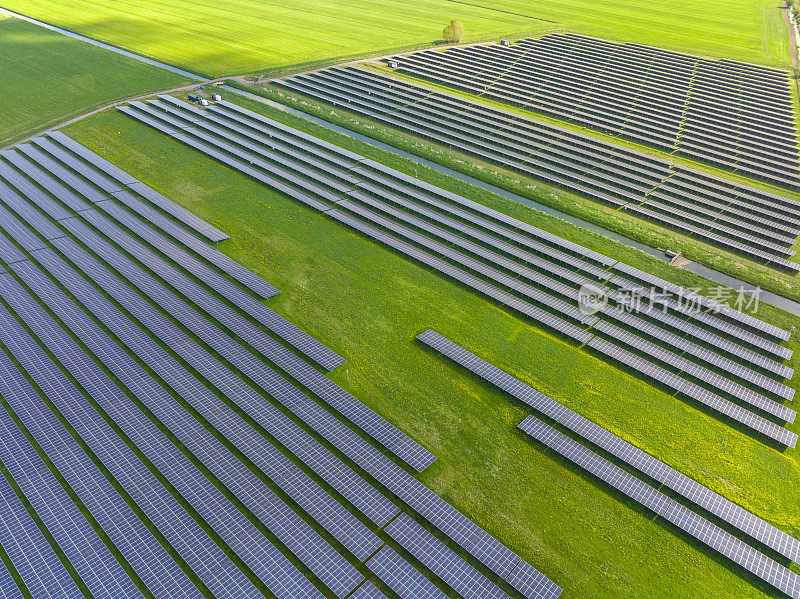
<point>44,78</point>
<point>368,304</point>
<point>248,35</point>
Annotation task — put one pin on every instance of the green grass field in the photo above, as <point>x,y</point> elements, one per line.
<point>47,78</point>
<point>368,304</point>
<point>250,35</point>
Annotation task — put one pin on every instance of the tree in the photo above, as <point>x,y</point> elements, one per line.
<point>454,32</point>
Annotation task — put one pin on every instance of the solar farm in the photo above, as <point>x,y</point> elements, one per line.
<point>379,314</point>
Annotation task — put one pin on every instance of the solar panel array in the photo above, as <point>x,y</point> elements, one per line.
<point>751,559</point>
<point>738,218</point>
<point>183,459</point>
<point>733,115</point>
<point>718,539</point>
<point>712,502</point>
<point>722,358</point>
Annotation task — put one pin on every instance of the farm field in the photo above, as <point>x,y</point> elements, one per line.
<point>564,523</point>
<point>246,35</point>
<point>47,78</point>
<point>249,35</point>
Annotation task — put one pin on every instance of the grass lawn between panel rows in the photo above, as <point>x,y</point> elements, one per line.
<point>47,78</point>
<point>250,35</point>
<point>637,229</point>
<point>368,304</point>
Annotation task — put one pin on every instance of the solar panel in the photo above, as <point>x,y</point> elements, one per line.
<point>8,587</point>
<point>146,555</point>
<point>696,371</point>
<point>92,560</point>
<point>46,181</point>
<point>689,389</point>
<point>702,496</point>
<point>322,559</point>
<point>38,565</point>
<point>401,577</point>
<point>442,561</point>
<point>718,539</point>
<point>200,552</point>
<point>382,103</point>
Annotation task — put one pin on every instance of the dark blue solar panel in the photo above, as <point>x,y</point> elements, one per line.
<point>78,166</point>
<point>442,561</point>
<point>94,563</point>
<point>295,533</point>
<point>147,557</point>
<point>45,180</point>
<point>401,577</point>
<point>8,251</point>
<point>718,539</point>
<point>325,509</point>
<point>34,559</point>
<point>345,403</point>
<point>64,175</point>
<point>183,532</point>
<point>9,588</point>
<point>237,296</point>
<point>39,222</point>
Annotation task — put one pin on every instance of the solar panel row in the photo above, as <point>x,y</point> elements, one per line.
<point>531,148</point>
<point>199,551</point>
<point>135,542</point>
<point>180,474</point>
<point>300,339</point>
<point>687,107</point>
<point>712,502</point>
<point>384,185</point>
<point>379,509</point>
<point>209,232</point>
<point>230,524</point>
<point>441,560</point>
<point>396,440</point>
<point>38,565</point>
<point>343,526</point>
<point>92,560</point>
<point>704,531</point>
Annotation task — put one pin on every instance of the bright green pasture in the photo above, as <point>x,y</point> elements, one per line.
<point>46,78</point>
<point>368,304</point>
<point>238,36</point>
